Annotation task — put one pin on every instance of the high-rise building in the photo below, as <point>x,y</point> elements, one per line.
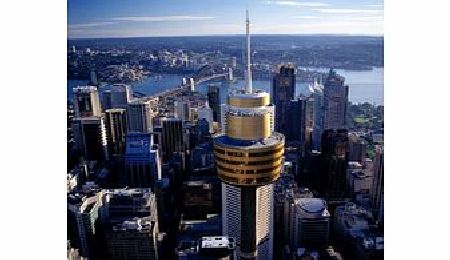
<point>214,101</point>
<point>136,238</point>
<point>310,224</point>
<point>316,97</point>
<point>139,116</point>
<point>249,158</point>
<point>116,96</point>
<point>335,159</point>
<point>378,183</point>
<point>82,215</point>
<point>116,129</point>
<point>357,148</point>
<point>90,138</point>
<point>295,120</point>
<point>86,101</point>
<point>130,224</point>
<point>181,110</point>
<point>172,137</point>
<point>335,101</point>
<point>283,90</point>
<point>142,161</point>
<point>207,114</point>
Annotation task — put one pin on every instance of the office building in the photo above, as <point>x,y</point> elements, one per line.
<point>197,198</point>
<point>296,117</point>
<point>214,101</point>
<point>86,102</point>
<point>356,232</point>
<point>334,162</point>
<point>283,90</point>
<point>142,161</point>
<point>316,97</point>
<point>116,129</point>
<point>335,101</point>
<point>377,194</point>
<point>130,223</point>
<point>82,217</point>
<point>172,137</point>
<point>207,114</point>
<point>249,158</point>
<point>182,110</point>
<point>357,148</point>
<point>127,203</point>
<point>90,138</point>
<point>139,116</point>
<point>135,238</point>
<point>310,224</point>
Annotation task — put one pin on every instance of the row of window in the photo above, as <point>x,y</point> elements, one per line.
<point>237,171</point>
<point>239,154</point>
<point>251,163</point>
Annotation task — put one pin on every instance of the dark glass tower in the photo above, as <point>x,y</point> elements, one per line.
<point>283,90</point>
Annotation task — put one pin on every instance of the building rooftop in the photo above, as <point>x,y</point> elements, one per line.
<point>312,205</point>
<point>136,224</point>
<point>84,89</point>
<point>217,242</point>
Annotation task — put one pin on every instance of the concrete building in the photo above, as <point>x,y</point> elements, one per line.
<point>142,161</point>
<point>335,101</point>
<point>90,138</point>
<point>86,102</point>
<point>116,129</point>
<point>249,158</point>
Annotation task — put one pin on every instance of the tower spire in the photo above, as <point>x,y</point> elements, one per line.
<point>248,76</point>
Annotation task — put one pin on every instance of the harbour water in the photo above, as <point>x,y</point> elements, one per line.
<point>364,86</point>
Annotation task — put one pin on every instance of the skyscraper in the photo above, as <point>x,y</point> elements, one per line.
<point>283,90</point>
<point>334,160</point>
<point>316,97</point>
<point>86,101</point>
<point>378,183</point>
<point>172,137</point>
<point>214,101</point>
<point>116,129</point>
<point>90,138</point>
<point>119,95</point>
<point>139,116</point>
<point>249,157</point>
<point>310,223</point>
<point>335,101</point>
<point>142,162</point>
<point>296,120</point>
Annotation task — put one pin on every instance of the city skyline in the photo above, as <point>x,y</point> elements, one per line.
<point>117,19</point>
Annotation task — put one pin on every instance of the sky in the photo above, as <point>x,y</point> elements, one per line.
<point>152,18</point>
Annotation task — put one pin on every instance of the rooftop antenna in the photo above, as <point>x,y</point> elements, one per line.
<point>248,78</point>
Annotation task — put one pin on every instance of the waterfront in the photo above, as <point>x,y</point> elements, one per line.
<point>364,86</point>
